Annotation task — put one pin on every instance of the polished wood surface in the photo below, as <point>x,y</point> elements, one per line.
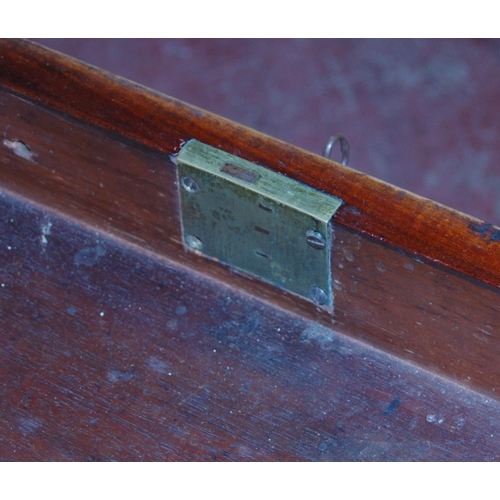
<point>91,225</point>
<point>113,170</point>
<point>424,313</point>
<point>107,353</point>
<point>426,229</point>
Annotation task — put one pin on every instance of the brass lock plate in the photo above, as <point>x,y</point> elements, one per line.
<point>257,220</point>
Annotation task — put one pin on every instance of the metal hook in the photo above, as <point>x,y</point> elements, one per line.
<point>344,147</point>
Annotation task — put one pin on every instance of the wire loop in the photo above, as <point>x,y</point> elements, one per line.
<point>344,147</point>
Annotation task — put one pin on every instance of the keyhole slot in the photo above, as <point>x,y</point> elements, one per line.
<point>262,254</point>
<point>266,208</point>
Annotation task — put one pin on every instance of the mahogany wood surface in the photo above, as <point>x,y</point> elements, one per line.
<point>117,186</point>
<point>77,90</point>
<point>411,277</point>
<point>109,353</point>
<point>129,189</point>
<point>421,312</point>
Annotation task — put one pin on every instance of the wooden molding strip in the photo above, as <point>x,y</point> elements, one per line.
<point>411,276</point>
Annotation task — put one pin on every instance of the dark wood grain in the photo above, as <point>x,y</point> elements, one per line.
<point>109,354</point>
<point>117,186</point>
<point>418,311</point>
<point>100,153</point>
<point>162,123</point>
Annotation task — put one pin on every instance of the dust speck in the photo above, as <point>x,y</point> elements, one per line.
<point>89,256</point>
<point>28,425</point>
<point>71,310</point>
<point>181,310</point>
<point>348,254</point>
<point>321,335</point>
<point>381,267</point>
<point>115,375</point>
<point>432,419</point>
<point>157,365</point>
<point>45,232</point>
<point>172,324</point>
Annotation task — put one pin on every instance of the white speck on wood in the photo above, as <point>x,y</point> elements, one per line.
<point>432,419</point>
<point>19,149</point>
<point>45,232</point>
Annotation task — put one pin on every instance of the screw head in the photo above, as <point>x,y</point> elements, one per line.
<point>318,295</point>
<point>194,242</point>
<point>315,239</point>
<point>190,185</point>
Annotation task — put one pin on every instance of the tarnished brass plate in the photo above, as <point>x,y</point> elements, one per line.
<point>257,220</point>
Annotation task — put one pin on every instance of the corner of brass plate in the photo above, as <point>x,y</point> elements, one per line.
<point>257,220</point>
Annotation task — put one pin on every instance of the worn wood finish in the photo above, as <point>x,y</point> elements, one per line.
<point>431,230</point>
<point>425,313</point>
<point>106,353</point>
<point>411,277</point>
<point>112,170</point>
<point>117,186</point>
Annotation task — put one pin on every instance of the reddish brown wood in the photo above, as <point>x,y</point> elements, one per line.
<point>425,228</point>
<point>421,312</point>
<point>109,354</point>
<point>411,277</point>
<point>130,191</point>
<point>119,187</point>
